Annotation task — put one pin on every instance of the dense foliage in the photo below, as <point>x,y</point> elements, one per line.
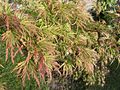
<point>49,39</point>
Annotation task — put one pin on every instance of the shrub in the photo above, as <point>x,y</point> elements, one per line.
<point>56,36</point>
